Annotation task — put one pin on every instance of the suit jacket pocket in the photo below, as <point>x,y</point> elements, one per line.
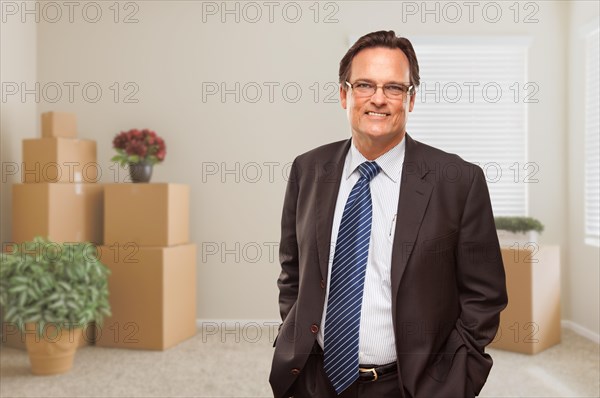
<point>442,362</point>
<point>439,253</point>
<point>440,243</point>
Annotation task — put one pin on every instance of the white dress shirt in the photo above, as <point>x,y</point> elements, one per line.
<point>376,333</point>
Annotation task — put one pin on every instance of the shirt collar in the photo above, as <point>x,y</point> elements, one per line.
<point>390,162</point>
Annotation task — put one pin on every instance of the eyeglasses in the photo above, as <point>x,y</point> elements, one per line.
<point>392,90</point>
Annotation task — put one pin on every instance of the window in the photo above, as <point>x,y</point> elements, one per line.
<point>473,102</point>
<point>592,144</point>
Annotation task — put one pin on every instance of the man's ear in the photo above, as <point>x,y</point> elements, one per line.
<point>343,93</point>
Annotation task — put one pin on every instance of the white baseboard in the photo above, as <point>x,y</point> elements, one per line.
<point>580,330</point>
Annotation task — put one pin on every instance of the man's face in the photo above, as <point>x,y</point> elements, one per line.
<point>377,119</point>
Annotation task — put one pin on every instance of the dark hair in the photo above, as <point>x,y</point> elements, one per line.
<point>381,39</point>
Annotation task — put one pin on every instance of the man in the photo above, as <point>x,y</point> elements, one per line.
<point>406,296</point>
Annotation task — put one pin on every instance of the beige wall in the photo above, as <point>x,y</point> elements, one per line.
<point>582,274</point>
<point>18,119</point>
<point>176,50</point>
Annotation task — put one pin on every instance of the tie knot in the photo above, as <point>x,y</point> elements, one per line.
<point>368,170</point>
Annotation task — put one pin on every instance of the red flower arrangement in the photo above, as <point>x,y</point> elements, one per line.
<point>139,146</point>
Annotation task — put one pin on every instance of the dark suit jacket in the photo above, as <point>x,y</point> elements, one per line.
<point>447,276</point>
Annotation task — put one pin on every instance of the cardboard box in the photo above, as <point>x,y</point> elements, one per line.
<point>59,160</point>
<point>147,214</point>
<point>531,321</point>
<point>59,124</point>
<point>152,294</point>
<point>59,212</point>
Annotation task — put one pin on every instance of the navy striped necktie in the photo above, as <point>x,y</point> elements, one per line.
<point>342,320</point>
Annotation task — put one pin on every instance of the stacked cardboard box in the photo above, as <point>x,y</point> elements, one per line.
<point>61,212</point>
<point>59,159</point>
<point>531,321</point>
<point>153,266</point>
<point>59,198</point>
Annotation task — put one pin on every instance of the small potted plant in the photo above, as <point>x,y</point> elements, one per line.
<point>140,149</point>
<point>520,230</point>
<point>50,291</point>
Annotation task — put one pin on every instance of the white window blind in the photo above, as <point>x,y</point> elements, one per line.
<point>472,102</point>
<point>592,143</point>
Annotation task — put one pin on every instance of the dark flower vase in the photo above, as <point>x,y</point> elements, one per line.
<point>140,172</point>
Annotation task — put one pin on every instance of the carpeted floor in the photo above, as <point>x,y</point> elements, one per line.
<point>234,363</point>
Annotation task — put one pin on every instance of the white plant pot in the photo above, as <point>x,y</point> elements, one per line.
<point>511,239</point>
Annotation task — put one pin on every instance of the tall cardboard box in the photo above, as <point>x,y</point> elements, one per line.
<point>147,214</point>
<point>59,124</point>
<point>531,321</point>
<point>152,294</point>
<point>59,212</point>
<point>59,160</point>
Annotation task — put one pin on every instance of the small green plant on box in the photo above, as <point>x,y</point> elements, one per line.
<point>63,284</point>
<point>518,224</point>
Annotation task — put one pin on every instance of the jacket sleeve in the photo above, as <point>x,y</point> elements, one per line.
<point>288,280</point>
<point>480,279</point>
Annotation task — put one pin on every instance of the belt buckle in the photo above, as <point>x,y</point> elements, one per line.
<point>369,370</point>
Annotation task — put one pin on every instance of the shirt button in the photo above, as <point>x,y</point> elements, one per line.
<point>295,371</point>
<point>322,284</point>
<point>314,328</point>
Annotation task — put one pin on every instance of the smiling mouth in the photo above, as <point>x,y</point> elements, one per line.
<point>377,114</point>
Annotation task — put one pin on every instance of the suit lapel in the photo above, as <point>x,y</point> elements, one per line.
<point>328,176</point>
<point>414,198</point>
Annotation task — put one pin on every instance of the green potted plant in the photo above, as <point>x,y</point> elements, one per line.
<point>141,150</point>
<point>50,291</point>
<point>521,230</point>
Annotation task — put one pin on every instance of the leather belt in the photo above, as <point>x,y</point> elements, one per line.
<point>368,373</point>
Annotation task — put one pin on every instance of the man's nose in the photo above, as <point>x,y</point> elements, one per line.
<point>378,98</point>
